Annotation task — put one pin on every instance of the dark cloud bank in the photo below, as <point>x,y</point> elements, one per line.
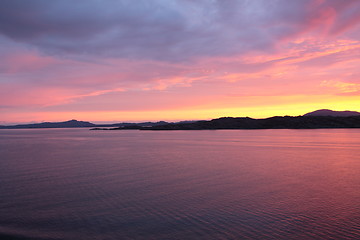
<point>160,30</point>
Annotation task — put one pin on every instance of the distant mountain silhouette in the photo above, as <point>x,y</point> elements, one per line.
<point>318,119</point>
<point>67,124</point>
<point>124,126</point>
<point>142,124</point>
<point>77,124</point>
<point>323,118</point>
<point>327,112</point>
<point>287,122</point>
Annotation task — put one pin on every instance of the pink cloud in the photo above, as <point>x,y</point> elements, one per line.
<point>20,62</point>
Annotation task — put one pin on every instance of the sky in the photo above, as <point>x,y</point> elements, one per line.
<point>150,60</point>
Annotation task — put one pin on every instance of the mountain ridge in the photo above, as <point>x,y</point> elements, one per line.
<point>79,124</point>
<point>286,122</point>
<point>66,124</point>
<point>323,118</point>
<point>328,112</point>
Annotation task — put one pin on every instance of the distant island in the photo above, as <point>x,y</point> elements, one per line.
<point>67,124</point>
<point>323,118</point>
<point>81,124</point>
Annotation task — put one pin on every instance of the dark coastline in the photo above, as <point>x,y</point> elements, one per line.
<point>287,122</point>
<point>319,119</point>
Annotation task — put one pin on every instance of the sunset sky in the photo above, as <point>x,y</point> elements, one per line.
<point>112,60</point>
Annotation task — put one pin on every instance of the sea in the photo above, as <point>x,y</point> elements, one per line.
<point>74,184</point>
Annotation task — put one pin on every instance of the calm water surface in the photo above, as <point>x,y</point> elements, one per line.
<point>230,184</point>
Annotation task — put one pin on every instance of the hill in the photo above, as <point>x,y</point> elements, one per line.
<point>67,124</point>
<point>78,124</point>
<point>323,118</point>
<point>287,122</point>
<point>327,112</point>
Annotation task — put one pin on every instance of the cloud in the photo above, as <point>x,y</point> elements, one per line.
<point>342,87</point>
<point>166,30</point>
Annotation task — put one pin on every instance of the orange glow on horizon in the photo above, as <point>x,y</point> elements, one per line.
<point>274,106</point>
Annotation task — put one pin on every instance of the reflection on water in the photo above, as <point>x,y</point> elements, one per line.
<point>229,184</point>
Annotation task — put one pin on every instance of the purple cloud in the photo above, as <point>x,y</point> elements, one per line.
<point>163,30</point>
